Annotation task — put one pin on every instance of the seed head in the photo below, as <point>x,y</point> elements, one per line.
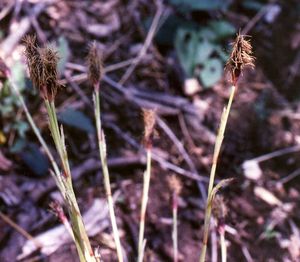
<point>175,184</point>
<point>33,60</point>
<point>240,57</point>
<point>95,68</point>
<point>42,63</point>
<point>49,79</point>
<point>149,124</point>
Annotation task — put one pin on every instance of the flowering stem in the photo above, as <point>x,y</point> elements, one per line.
<point>103,157</point>
<point>217,149</point>
<point>80,236</point>
<point>146,186</point>
<point>174,233</point>
<point>223,243</point>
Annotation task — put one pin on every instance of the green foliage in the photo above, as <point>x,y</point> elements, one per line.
<point>77,119</point>
<point>10,104</point>
<point>32,157</point>
<point>196,5</point>
<point>200,52</point>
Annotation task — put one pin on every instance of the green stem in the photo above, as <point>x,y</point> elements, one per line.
<point>103,158</point>
<point>146,186</point>
<point>80,236</point>
<point>218,144</point>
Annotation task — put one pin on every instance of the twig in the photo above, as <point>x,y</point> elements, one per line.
<point>182,151</point>
<point>20,230</point>
<point>281,152</point>
<point>146,45</point>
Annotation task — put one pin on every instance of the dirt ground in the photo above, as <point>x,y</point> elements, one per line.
<point>263,206</point>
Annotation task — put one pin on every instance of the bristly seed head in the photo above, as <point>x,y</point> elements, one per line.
<point>240,57</point>
<point>33,60</point>
<point>95,68</point>
<point>42,63</point>
<point>49,80</point>
<point>149,124</point>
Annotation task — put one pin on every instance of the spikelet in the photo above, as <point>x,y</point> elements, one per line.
<point>240,57</point>
<point>33,60</point>
<point>94,61</point>
<point>49,78</point>
<point>149,124</point>
<point>42,63</point>
<point>175,184</point>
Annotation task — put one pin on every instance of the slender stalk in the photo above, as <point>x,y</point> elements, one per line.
<point>80,236</point>
<point>146,186</point>
<point>174,233</point>
<point>217,149</point>
<point>223,245</point>
<point>103,157</point>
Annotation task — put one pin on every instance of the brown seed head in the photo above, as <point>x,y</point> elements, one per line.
<point>175,184</point>
<point>149,124</point>
<point>33,60</point>
<point>49,78</point>
<point>42,63</point>
<point>95,68</point>
<point>240,57</point>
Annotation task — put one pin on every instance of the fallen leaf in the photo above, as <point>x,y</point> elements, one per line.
<point>267,196</point>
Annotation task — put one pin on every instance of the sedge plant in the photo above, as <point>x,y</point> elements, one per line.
<point>42,63</point>
<point>95,71</point>
<point>149,124</point>
<point>240,57</point>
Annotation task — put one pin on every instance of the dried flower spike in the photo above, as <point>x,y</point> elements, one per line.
<point>240,57</point>
<point>175,185</point>
<point>49,78</point>
<point>33,60</point>
<point>42,63</point>
<point>149,124</point>
<point>95,68</point>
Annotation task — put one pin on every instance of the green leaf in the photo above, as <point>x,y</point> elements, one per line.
<point>253,5</point>
<point>203,52</point>
<point>200,4</point>
<point>64,53</point>
<point>34,159</point>
<point>167,32</point>
<point>185,43</point>
<point>77,119</point>
<point>18,146</point>
<point>211,72</point>
<point>21,127</point>
<point>222,28</point>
